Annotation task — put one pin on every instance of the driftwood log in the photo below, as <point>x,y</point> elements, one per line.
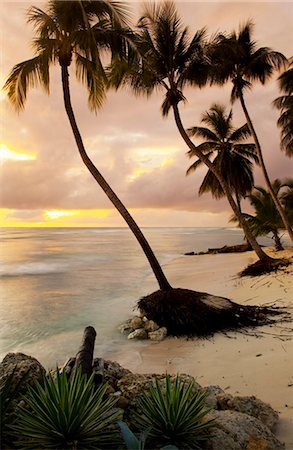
<point>84,359</point>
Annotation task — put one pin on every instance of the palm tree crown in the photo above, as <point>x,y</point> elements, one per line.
<point>169,58</point>
<point>236,57</point>
<point>285,105</point>
<point>222,142</point>
<point>62,37</point>
<point>267,219</point>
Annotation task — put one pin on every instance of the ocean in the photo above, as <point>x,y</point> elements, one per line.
<point>56,281</point>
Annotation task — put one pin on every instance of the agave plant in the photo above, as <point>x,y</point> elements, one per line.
<point>175,414</point>
<point>66,414</point>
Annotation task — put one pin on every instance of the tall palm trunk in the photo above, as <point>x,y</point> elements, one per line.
<point>159,274</point>
<point>254,244</point>
<point>262,164</point>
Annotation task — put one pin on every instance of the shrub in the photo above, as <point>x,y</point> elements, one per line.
<point>67,415</point>
<point>175,414</point>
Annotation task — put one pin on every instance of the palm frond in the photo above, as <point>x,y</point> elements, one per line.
<point>25,75</point>
<point>196,164</point>
<point>93,76</point>
<point>204,133</point>
<point>240,134</point>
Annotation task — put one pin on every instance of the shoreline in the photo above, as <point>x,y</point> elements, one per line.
<point>241,364</point>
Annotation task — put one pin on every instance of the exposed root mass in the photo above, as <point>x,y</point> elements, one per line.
<point>262,267</point>
<point>189,313</point>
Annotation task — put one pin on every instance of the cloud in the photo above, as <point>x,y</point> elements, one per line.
<point>118,137</point>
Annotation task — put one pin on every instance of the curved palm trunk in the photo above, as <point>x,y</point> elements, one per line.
<point>252,241</point>
<point>278,243</point>
<point>262,164</point>
<point>159,274</point>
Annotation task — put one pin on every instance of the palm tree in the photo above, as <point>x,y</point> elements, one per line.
<point>76,31</point>
<point>170,60</point>
<point>267,219</point>
<point>231,156</point>
<point>285,105</point>
<point>236,58</point>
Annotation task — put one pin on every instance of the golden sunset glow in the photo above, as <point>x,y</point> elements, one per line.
<point>58,214</point>
<point>56,218</point>
<point>8,154</point>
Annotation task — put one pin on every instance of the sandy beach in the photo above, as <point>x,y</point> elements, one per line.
<point>259,364</point>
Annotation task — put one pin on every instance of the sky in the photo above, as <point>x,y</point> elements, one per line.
<point>141,155</point>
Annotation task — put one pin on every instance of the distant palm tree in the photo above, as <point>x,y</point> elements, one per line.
<point>170,60</point>
<point>267,219</point>
<point>223,144</point>
<point>76,31</point>
<point>285,105</point>
<point>236,58</point>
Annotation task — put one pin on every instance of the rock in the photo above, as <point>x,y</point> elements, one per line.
<point>26,371</point>
<point>151,326</point>
<point>249,405</point>
<point>136,323</point>
<point>21,363</point>
<point>122,402</point>
<point>234,430</point>
<point>132,384</point>
<point>125,327</point>
<point>140,333</point>
<point>158,335</point>
<point>113,372</point>
<point>212,391</point>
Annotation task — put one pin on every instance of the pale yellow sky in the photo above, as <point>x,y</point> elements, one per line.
<point>43,181</point>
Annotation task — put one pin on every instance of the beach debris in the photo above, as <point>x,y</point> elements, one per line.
<point>189,313</point>
<point>84,356</point>
<point>240,248</point>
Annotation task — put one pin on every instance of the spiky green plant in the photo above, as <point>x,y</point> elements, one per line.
<point>175,414</point>
<point>66,414</point>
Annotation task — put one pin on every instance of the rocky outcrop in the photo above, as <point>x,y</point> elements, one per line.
<point>251,406</point>
<point>240,423</point>
<point>234,430</point>
<point>26,368</point>
<point>19,372</point>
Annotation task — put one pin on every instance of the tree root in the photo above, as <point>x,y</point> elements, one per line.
<point>189,313</point>
<point>262,267</point>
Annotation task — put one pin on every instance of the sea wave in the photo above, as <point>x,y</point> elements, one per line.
<point>33,268</point>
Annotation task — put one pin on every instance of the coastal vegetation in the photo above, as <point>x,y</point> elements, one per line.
<point>236,58</point>
<point>162,55</point>
<point>266,219</point>
<point>168,59</point>
<point>66,414</point>
<point>223,143</point>
<point>285,105</point>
